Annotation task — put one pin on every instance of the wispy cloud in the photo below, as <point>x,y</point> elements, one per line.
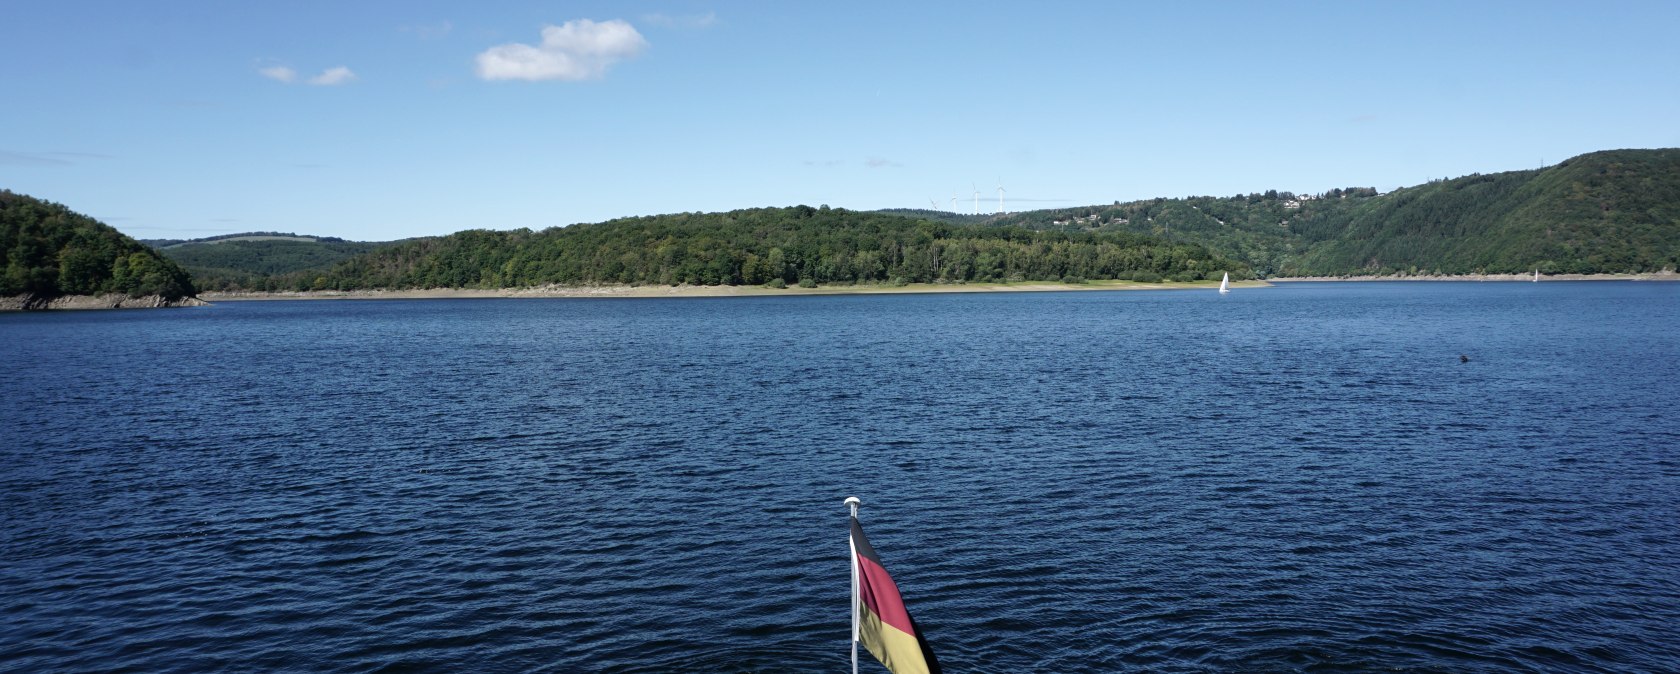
<point>328,78</point>
<point>333,77</point>
<point>428,31</point>
<point>573,51</point>
<point>686,21</point>
<point>279,74</point>
<point>14,158</point>
<point>872,162</point>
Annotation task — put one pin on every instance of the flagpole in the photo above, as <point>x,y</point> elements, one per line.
<point>853,502</point>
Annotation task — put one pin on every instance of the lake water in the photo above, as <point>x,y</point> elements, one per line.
<point>1302,477</point>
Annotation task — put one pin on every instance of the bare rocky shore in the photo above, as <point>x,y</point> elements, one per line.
<point>107,301</point>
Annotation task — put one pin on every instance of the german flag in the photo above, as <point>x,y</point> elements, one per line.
<point>883,624</point>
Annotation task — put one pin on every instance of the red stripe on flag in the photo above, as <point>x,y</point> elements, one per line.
<point>878,592</point>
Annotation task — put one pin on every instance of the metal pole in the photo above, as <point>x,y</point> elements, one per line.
<point>852,503</point>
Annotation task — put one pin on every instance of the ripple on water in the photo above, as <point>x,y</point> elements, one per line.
<point>1303,478</point>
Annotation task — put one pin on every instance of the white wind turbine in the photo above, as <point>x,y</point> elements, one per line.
<point>953,202</point>
<point>1000,196</point>
<point>933,205</point>
<point>976,187</point>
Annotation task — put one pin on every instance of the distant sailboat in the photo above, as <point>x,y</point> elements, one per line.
<point>1536,276</point>
<point>1225,283</point>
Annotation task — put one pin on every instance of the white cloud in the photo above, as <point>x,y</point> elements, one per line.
<point>691,22</point>
<point>333,77</point>
<point>328,78</point>
<point>576,50</point>
<point>279,74</point>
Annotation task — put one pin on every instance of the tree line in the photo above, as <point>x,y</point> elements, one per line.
<point>796,245</point>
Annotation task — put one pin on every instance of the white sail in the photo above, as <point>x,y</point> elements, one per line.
<point>1225,283</point>
<point>1536,276</point>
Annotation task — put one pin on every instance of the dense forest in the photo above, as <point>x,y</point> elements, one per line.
<point>1269,231</point>
<point>48,251</point>
<point>1606,212</point>
<point>241,261</point>
<point>773,246</point>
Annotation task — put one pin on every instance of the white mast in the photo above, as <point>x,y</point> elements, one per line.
<point>1000,196</point>
<point>852,502</point>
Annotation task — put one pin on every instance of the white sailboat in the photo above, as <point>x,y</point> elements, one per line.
<point>1536,276</point>
<point>1225,283</point>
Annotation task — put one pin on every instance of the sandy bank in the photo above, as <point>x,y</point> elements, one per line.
<point>704,291</point>
<point>1656,276</point>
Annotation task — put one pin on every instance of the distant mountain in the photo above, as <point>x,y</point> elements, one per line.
<point>251,261</point>
<point>1604,212</point>
<point>48,251</point>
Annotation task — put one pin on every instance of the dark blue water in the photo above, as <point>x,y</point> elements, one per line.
<point>1297,478</point>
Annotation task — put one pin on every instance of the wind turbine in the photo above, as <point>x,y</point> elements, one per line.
<point>976,187</point>
<point>932,204</point>
<point>1000,196</point>
<point>953,202</point>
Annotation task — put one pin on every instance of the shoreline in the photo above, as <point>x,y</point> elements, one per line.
<point>681,291</point>
<point>82,302</point>
<point>559,291</point>
<point>96,302</point>
<point>1529,277</point>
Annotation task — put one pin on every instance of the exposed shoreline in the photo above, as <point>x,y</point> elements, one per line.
<point>613,291</point>
<point>1653,276</point>
<point>95,302</point>
<point>627,291</point>
<point>85,302</point>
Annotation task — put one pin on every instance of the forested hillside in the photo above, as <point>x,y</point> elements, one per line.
<point>767,246</point>
<point>1605,212</point>
<point>1269,231</point>
<point>48,251</point>
<point>245,261</point>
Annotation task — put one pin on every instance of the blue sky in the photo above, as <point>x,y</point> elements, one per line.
<point>382,120</point>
